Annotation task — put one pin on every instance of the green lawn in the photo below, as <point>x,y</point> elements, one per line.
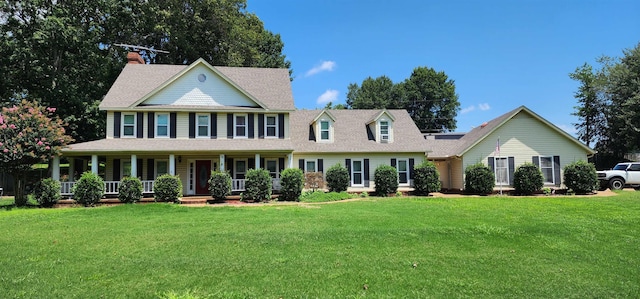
<point>487,247</point>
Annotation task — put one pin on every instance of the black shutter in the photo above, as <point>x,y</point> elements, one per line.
<point>312,133</point>
<point>281,125</point>
<point>230,167</point>
<point>116,169</point>
<point>172,122</point>
<point>490,163</point>
<point>151,169</point>
<point>151,127</point>
<point>411,163</point>
<point>250,125</point>
<point>393,162</point>
<point>230,126</point>
<point>214,125</point>
<point>252,163</point>
<point>320,166</point>
<point>262,164</point>
<point>280,164</point>
<point>139,168</point>
<point>366,172</point>
<point>140,128</point>
<point>511,169</point>
<point>117,122</point>
<point>301,164</point>
<point>556,170</point>
<point>261,126</point>
<point>536,161</point>
<point>347,163</point>
<point>192,125</point>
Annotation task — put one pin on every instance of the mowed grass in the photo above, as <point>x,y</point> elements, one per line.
<point>487,247</point>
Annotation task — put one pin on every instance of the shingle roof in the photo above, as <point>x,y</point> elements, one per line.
<point>270,86</point>
<point>135,145</point>
<point>350,133</point>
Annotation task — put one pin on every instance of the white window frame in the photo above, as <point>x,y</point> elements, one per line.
<point>125,125</point>
<point>274,126</point>
<point>552,166</point>
<point>155,168</point>
<point>275,174</point>
<point>208,125</point>
<point>505,168</point>
<point>306,165</point>
<point>328,130</point>
<point>354,172</point>
<point>406,171</point>
<point>236,126</point>
<point>384,136</point>
<point>235,168</point>
<point>157,125</point>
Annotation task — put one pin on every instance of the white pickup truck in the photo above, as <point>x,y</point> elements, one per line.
<point>622,175</point>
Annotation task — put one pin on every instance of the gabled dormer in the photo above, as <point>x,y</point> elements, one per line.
<point>381,127</point>
<point>321,129</point>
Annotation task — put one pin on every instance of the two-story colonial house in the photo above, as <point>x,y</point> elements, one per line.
<point>188,120</point>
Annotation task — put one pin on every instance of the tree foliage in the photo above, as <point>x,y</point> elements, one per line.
<point>29,134</point>
<point>62,53</point>
<point>428,95</point>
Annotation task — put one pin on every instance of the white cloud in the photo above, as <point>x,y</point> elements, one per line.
<point>324,66</point>
<point>468,109</point>
<point>331,95</point>
<point>484,106</point>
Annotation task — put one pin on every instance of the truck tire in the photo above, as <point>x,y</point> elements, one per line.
<point>616,184</point>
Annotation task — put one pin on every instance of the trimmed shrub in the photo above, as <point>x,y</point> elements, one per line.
<point>321,196</point>
<point>130,190</point>
<point>167,188</point>
<point>313,180</point>
<point>47,192</point>
<point>527,179</point>
<point>581,177</point>
<point>386,180</point>
<point>219,184</point>
<point>337,178</point>
<point>257,185</point>
<point>89,189</point>
<point>291,184</point>
<point>479,179</point>
<point>426,178</point>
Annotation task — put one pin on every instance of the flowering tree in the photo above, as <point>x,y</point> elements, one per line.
<point>29,134</point>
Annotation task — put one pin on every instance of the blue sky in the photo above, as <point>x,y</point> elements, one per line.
<point>501,54</point>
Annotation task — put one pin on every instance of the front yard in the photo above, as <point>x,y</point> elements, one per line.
<point>539,247</point>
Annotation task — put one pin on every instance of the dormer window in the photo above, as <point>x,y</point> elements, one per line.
<point>324,130</point>
<point>162,125</point>
<point>384,131</point>
<point>128,124</point>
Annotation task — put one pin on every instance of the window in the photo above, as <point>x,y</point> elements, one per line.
<point>203,126</point>
<point>126,168</point>
<point>129,125</point>
<point>162,125</point>
<point>324,130</point>
<point>546,166</point>
<point>162,167</point>
<point>240,125</point>
<point>384,131</point>
<point>403,171</point>
<point>240,169</point>
<point>634,167</point>
<point>271,128</point>
<point>356,173</point>
<point>502,171</point>
<point>272,167</point>
<point>310,166</point>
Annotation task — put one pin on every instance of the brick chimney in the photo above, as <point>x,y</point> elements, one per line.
<point>134,58</point>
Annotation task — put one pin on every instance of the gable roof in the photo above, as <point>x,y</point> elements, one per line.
<point>350,133</point>
<point>447,148</point>
<point>379,115</point>
<point>269,87</point>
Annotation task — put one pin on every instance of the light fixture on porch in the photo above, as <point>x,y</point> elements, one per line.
<point>179,159</point>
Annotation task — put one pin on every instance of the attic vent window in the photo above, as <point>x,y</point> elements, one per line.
<point>202,77</point>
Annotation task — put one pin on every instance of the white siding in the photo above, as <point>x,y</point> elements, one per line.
<point>109,124</point>
<point>188,90</point>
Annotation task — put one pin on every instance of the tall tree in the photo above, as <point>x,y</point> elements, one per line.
<point>373,93</point>
<point>591,104</point>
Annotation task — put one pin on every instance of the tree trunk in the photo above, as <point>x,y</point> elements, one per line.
<point>19,181</point>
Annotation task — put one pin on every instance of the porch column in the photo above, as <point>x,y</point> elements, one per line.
<point>222,162</point>
<point>258,161</point>
<point>94,164</point>
<point>55,172</point>
<point>290,159</point>
<point>172,164</point>
<point>72,169</point>
<point>134,166</point>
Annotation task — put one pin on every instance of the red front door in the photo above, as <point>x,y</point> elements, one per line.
<point>203,172</point>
